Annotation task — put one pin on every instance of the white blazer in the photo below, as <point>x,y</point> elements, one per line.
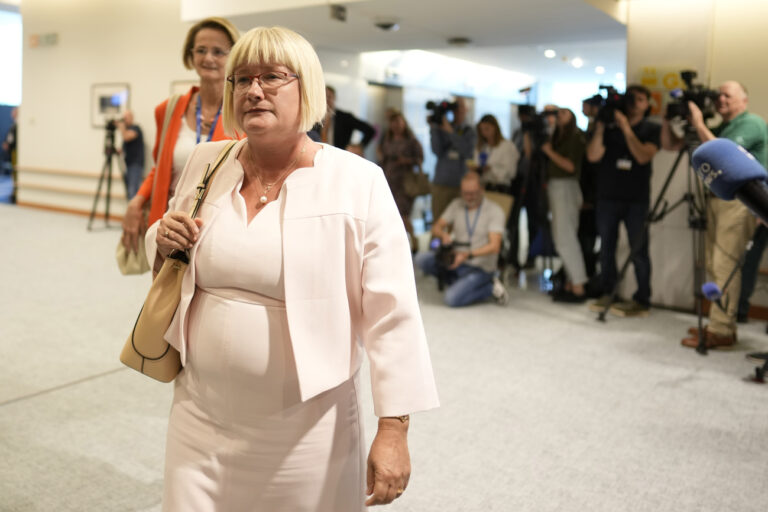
<point>502,162</point>
<point>348,275</point>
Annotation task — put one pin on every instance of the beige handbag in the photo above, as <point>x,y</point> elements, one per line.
<point>145,349</point>
<point>416,183</point>
<point>129,262</point>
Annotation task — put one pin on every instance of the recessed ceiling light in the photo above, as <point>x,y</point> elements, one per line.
<point>600,70</point>
<point>550,54</point>
<point>577,62</point>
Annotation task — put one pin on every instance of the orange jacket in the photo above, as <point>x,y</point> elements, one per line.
<point>157,183</point>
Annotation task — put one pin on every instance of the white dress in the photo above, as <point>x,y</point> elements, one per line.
<point>239,438</point>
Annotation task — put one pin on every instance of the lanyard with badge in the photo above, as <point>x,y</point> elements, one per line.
<point>471,229</point>
<point>199,117</point>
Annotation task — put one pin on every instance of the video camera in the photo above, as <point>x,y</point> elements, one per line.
<point>440,110</point>
<point>445,254</point>
<point>612,102</point>
<point>698,94</point>
<point>535,123</point>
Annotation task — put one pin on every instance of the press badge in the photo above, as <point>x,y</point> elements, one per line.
<point>624,164</point>
<point>453,154</point>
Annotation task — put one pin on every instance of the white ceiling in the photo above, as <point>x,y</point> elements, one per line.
<point>510,34</point>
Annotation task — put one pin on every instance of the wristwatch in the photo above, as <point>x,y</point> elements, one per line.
<point>470,255</point>
<point>403,418</point>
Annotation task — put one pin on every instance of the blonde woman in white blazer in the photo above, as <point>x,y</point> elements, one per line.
<point>298,264</point>
<point>495,157</point>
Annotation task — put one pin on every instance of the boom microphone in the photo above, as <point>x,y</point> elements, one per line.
<point>731,172</point>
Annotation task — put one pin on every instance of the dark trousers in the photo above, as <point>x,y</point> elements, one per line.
<point>609,215</point>
<point>587,238</point>
<point>749,271</point>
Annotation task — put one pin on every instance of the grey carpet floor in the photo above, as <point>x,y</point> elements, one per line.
<point>543,408</point>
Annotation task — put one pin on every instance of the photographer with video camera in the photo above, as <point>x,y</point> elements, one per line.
<point>528,186</point>
<point>133,153</point>
<point>624,143</point>
<point>729,223</point>
<point>466,243</point>
<point>453,142</point>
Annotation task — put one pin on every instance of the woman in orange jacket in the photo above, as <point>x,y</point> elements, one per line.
<point>194,117</point>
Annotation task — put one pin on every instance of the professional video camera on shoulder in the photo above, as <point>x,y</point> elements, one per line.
<point>535,123</point>
<point>696,93</point>
<point>440,110</point>
<point>612,102</point>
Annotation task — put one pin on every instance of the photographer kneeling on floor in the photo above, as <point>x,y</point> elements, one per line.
<point>467,238</point>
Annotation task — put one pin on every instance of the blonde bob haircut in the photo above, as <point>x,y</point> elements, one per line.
<point>214,23</point>
<point>278,46</point>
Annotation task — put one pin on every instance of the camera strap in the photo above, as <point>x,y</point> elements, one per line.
<point>471,229</point>
<point>199,118</point>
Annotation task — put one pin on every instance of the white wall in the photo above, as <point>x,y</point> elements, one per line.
<point>134,41</point>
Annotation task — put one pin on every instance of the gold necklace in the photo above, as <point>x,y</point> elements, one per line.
<point>265,188</point>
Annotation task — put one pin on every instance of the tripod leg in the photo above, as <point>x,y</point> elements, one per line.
<point>698,278</point>
<point>98,193</point>
<point>108,196</point>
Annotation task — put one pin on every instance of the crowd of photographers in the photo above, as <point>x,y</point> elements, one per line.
<point>578,187</point>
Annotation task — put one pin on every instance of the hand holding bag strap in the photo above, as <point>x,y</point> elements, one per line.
<point>202,191</point>
<point>146,350</point>
<point>128,262</point>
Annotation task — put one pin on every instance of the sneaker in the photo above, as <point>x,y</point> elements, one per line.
<point>500,292</point>
<point>758,357</point>
<point>600,304</point>
<point>630,308</point>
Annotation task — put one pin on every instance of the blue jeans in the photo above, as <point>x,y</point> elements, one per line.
<point>633,215</point>
<point>134,174</point>
<point>466,284</point>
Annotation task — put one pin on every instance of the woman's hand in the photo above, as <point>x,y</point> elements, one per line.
<point>134,224</point>
<point>177,230</point>
<point>389,463</point>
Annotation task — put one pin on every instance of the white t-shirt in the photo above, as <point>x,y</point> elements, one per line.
<point>487,218</point>
<point>185,144</point>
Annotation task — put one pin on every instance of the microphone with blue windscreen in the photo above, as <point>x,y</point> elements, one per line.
<point>730,171</point>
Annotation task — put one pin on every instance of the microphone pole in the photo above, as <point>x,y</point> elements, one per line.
<point>759,234</point>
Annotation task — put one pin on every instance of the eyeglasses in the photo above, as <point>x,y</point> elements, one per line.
<point>202,51</point>
<point>268,81</point>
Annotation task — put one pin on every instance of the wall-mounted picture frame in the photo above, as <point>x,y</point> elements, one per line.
<point>109,102</point>
<point>182,86</point>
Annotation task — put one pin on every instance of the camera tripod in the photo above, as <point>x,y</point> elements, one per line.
<point>696,199</point>
<point>106,174</point>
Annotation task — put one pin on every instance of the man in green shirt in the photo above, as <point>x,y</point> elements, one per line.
<point>729,223</point>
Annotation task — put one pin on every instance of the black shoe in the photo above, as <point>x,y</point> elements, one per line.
<point>569,297</point>
<point>758,357</point>
<point>742,318</point>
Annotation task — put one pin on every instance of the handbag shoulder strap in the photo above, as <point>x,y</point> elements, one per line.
<point>169,108</point>
<point>205,181</point>
<point>202,190</point>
